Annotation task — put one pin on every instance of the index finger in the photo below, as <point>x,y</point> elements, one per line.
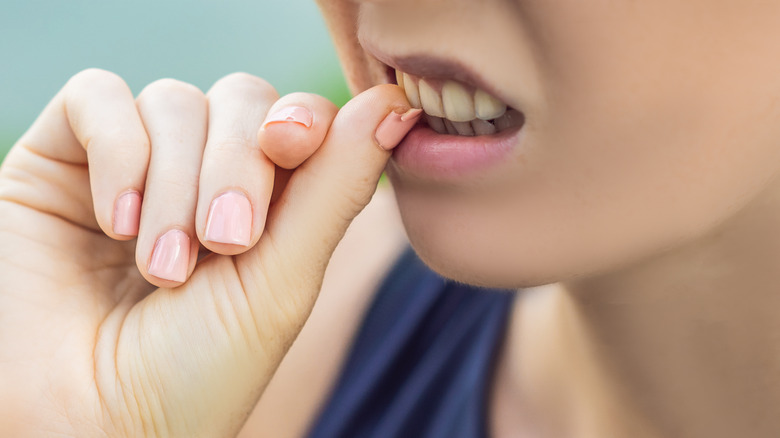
<point>92,120</point>
<point>295,127</point>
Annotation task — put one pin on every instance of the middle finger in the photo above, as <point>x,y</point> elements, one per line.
<point>175,115</point>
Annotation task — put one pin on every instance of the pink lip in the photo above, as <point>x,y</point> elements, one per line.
<point>426,154</point>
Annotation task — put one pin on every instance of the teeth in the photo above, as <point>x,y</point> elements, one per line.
<point>464,128</point>
<point>482,127</point>
<point>488,107</point>
<point>431,101</point>
<point>458,103</point>
<point>412,93</point>
<point>455,110</point>
<point>450,127</point>
<point>436,123</point>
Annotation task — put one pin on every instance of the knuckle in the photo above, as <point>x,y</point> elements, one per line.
<point>300,96</point>
<point>171,90</point>
<point>354,204</point>
<point>240,78</point>
<point>245,84</point>
<point>96,79</point>
<point>169,85</point>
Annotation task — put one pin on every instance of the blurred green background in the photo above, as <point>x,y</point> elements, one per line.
<point>43,43</point>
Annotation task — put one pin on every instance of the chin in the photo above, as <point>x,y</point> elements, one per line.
<point>462,248</point>
<point>476,267</point>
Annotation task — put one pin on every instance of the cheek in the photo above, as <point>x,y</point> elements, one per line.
<point>643,145</point>
<point>592,204</point>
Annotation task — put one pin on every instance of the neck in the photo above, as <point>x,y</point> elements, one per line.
<point>686,343</point>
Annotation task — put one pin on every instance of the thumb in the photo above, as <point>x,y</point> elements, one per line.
<point>200,355</point>
<point>333,186</point>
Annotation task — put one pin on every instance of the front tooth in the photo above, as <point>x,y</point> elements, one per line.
<point>482,127</point>
<point>431,101</point>
<point>436,123</point>
<point>412,93</point>
<point>488,107</point>
<point>463,128</point>
<point>458,104</point>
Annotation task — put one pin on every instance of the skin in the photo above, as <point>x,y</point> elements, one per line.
<point>645,198</point>
<point>638,217</point>
<point>92,343</point>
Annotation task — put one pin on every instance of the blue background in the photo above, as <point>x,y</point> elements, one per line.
<point>43,43</point>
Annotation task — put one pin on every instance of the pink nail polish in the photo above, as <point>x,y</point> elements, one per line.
<point>127,213</point>
<point>394,127</point>
<point>230,219</point>
<point>171,256</point>
<point>294,114</point>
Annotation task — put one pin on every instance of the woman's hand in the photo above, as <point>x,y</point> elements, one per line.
<point>88,347</point>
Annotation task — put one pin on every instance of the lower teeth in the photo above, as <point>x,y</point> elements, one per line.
<point>483,127</point>
<point>509,119</point>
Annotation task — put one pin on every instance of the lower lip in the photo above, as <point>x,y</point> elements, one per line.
<point>426,153</point>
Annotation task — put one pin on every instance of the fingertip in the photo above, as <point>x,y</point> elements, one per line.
<point>288,144</point>
<point>369,109</point>
<point>231,227</point>
<point>127,215</point>
<point>395,126</point>
<point>170,260</point>
<point>295,127</point>
<point>291,114</point>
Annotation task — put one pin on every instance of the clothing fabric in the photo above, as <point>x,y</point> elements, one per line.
<point>421,363</point>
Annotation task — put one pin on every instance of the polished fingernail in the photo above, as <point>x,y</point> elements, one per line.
<point>394,127</point>
<point>171,256</point>
<point>230,219</point>
<point>127,214</point>
<point>290,114</point>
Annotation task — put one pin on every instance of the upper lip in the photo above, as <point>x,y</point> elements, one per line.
<point>433,66</point>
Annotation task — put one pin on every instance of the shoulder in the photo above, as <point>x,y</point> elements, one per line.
<point>302,382</point>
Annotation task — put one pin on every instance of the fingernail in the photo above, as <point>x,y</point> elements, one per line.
<point>393,128</point>
<point>294,114</point>
<point>127,213</point>
<point>230,219</point>
<point>171,256</point>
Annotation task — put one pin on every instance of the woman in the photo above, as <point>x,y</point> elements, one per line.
<point>614,161</point>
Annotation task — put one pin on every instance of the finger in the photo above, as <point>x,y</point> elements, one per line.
<point>93,120</point>
<point>249,321</point>
<point>293,130</point>
<point>295,127</point>
<point>236,178</point>
<point>325,194</point>
<point>175,115</point>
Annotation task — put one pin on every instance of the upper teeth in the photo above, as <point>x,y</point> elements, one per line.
<point>466,111</point>
<point>431,100</point>
<point>458,103</point>
<point>488,107</point>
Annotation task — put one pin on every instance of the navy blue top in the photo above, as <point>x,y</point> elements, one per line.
<point>421,363</point>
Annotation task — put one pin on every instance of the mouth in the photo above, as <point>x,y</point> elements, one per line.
<point>470,125</point>
<point>453,107</point>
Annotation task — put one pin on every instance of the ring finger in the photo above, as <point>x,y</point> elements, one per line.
<point>236,178</point>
